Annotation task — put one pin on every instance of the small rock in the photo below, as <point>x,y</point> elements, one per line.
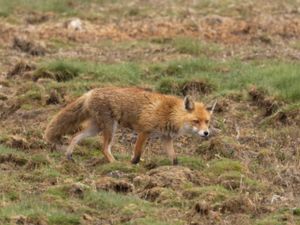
<point>75,24</point>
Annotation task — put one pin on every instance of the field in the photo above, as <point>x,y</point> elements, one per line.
<point>244,54</point>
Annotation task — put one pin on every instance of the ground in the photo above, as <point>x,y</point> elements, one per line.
<point>244,54</point>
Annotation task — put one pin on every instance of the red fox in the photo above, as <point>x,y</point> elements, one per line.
<point>144,111</point>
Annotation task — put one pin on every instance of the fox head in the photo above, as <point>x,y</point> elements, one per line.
<point>197,117</point>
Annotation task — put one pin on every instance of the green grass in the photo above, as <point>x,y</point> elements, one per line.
<point>235,179</point>
<point>60,70</point>
<point>5,150</point>
<point>195,163</point>
<point>110,201</point>
<point>57,6</point>
<point>279,79</point>
<point>194,46</point>
<point>279,217</point>
<point>12,155</point>
<point>153,221</point>
<point>212,193</point>
<point>219,166</point>
<point>43,174</point>
<point>63,219</point>
<point>79,76</point>
<point>33,207</point>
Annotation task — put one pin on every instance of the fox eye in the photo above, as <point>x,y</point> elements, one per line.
<point>195,121</point>
<point>206,121</point>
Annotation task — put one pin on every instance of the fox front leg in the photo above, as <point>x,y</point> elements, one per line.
<point>168,147</point>
<point>138,149</point>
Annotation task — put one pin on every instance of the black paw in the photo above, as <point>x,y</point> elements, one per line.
<point>175,161</point>
<point>135,160</point>
<point>70,158</point>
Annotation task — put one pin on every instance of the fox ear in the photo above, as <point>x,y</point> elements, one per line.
<point>211,108</point>
<point>189,103</point>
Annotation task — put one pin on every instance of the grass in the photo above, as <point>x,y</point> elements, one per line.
<point>236,179</point>
<point>153,221</point>
<point>113,203</point>
<point>5,150</point>
<point>277,78</point>
<point>35,208</point>
<point>109,201</point>
<point>280,217</point>
<point>59,70</point>
<point>194,46</point>
<point>212,193</point>
<point>195,163</point>
<point>125,167</point>
<point>82,76</point>
<point>219,166</point>
<point>57,6</point>
<point>40,186</point>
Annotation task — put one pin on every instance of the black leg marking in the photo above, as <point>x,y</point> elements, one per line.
<point>135,160</point>
<point>70,158</point>
<point>175,161</point>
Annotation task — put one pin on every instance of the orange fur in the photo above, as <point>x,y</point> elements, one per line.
<point>145,112</point>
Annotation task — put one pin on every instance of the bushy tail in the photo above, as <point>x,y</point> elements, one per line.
<point>67,120</point>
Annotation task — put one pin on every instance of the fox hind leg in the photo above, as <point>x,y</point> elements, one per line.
<point>91,131</point>
<point>108,136</point>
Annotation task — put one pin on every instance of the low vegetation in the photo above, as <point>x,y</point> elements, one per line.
<point>244,54</point>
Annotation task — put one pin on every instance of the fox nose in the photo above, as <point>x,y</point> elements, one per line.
<point>206,133</point>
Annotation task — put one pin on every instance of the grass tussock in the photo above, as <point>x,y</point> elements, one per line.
<point>59,70</point>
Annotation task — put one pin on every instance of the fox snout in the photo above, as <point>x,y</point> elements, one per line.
<point>201,132</point>
<point>204,133</point>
